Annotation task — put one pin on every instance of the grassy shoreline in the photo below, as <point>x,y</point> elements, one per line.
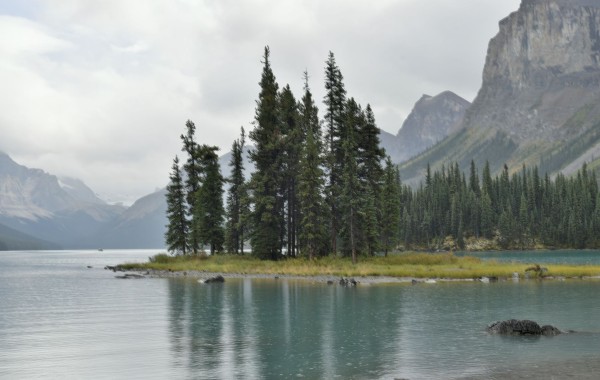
<point>413,265</point>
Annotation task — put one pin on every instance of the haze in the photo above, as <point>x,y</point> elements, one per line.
<point>101,90</point>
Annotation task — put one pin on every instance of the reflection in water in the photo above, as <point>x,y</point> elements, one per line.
<point>255,329</point>
<point>59,318</point>
<point>252,329</point>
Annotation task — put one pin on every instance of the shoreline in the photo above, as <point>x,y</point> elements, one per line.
<point>325,279</point>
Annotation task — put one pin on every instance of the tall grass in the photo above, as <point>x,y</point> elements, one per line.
<point>418,265</point>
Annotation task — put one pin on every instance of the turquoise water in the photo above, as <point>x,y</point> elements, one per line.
<point>59,318</point>
<point>561,256</point>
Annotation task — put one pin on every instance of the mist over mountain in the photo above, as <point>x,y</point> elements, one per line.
<point>539,102</point>
<point>41,211</point>
<point>140,226</point>
<point>64,212</point>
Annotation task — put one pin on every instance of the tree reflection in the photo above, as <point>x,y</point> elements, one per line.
<point>250,328</point>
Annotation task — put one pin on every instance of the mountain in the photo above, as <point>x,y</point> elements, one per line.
<point>64,212</point>
<point>225,159</point>
<point>13,240</point>
<point>140,226</point>
<point>430,121</point>
<point>539,102</point>
<point>79,190</point>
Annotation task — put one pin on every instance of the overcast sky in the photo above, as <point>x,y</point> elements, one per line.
<point>101,90</point>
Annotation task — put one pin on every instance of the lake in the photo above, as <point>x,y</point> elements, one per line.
<point>59,318</point>
<point>559,256</point>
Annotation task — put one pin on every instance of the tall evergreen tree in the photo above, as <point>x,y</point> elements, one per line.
<point>351,197</point>
<point>391,209</point>
<point>209,211</point>
<point>193,171</point>
<point>177,230</point>
<point>234,227</point>
<point>335,99</point>
<point>267,214</point>
<point>311,180</point>
<point>292,141</point>
<point>370,156</point>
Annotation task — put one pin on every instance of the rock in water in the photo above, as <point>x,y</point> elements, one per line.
<point>130,276</point>
<point>521,327</point>
<point>348,282</point>
<point>215,279</point>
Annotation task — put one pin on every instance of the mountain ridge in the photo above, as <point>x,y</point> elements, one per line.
<point>539,96</point>
<point>431,120</point>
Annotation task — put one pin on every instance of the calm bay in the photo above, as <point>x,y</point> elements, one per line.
<point>59,318</point>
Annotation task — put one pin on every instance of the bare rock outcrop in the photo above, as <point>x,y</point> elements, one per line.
<point>521,327</point>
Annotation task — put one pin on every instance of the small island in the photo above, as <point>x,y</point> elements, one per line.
<point>394,268</point>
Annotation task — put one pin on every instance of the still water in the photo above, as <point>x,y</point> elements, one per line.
<point>59,318</point>
<point>560,256</point>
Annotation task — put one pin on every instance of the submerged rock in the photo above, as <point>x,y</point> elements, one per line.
<point>521,327</point>
<point>130,275</point>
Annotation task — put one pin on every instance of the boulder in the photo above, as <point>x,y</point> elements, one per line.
<point>521,327</point>
<point>348,282</point>
<point>213,280</point>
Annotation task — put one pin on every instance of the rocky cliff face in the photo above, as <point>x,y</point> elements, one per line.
<point>431,120</point>
<point>539,103</point>
<point>541,68</point>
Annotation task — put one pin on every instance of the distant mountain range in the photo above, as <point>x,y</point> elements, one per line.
<point>539,104</point>
<point>42,211</point>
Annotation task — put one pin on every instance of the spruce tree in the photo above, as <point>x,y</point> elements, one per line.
<point>311,180</point>
<point>177,230</point>
<point>209,211</point>
<point>370,157</point>
<point>193,172</point>
<point>390,207</point>
<point>334,100</point>
<point>292,141</point>
<point>352,192</point>
<point>267,214</point>
<point>234,227</point>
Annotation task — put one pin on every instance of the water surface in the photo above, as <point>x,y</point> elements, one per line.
<point>559,256</point>
<point>62,319</point>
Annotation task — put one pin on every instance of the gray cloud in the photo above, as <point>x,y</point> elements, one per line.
<point>102,90</point>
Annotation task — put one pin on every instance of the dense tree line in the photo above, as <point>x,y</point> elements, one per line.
<point>522,210</point>
<point>324,186</point>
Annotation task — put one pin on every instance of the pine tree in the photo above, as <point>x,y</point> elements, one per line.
<point>390,207</point>
<point>292,141</point>
<point>370,157</point>
<point>311,180</point>
<point>193,171</point>
<point>335,99</point>
<point>474,180</point>
<point>178,227</point>
<point>352,192</point>
<point>209,211</point>
<point>234,227</point>
<point>267,215</point>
